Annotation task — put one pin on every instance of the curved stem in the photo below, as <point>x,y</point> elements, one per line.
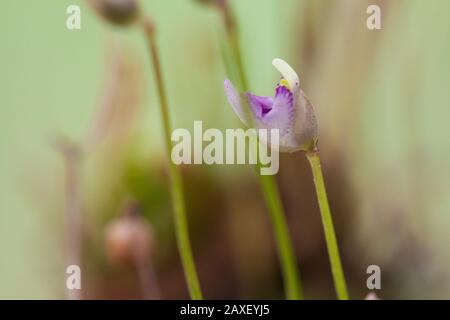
<point>327,221</point>
<point>176,185</point>
<point>267,183</point>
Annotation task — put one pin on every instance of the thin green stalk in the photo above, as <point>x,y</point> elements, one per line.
<point>267,183</point>
<point>233,41</point>
<point>236,50</point>
<point>327,221</point>
<point>176,185</point>
<point>291,276</point>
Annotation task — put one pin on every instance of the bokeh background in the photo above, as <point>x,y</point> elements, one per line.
<point>382,100</point>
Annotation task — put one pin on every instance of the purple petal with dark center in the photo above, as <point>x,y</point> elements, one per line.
<point>284,93</point>
<point>259,105</point>
<point>266,112</point>
<point>282,114</point>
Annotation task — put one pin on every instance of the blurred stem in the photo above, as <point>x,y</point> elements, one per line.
<point>107,106</point>
<point>71,154</point>
<point>267,183</point>
<point>233,41</point>
<point>327,221</point>
<point>176,187</point>
<point>284,244</point>
<point>147,279</point>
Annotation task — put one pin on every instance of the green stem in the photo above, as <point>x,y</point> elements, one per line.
<point>236,50</point>
<point>176,185</point>
<point>327,221</point>
<point>291,276</point>
<point>267,183</point>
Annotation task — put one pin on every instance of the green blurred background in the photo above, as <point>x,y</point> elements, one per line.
<point>381,97</point>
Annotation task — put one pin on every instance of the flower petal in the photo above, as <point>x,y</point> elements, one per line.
<point>305,124</point>
<point>288,73</point>
<point>259,105</point>
<point>251,109</point>
<point>282,114</point>
<point>237,103</point>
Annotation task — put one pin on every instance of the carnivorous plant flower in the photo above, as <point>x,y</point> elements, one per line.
<point>289,110</point>
<point>292,114</point>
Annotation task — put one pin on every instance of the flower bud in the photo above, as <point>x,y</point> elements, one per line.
<point>371,296</point>
<point>129,239</point>
<point>119,12</point>
<point>206,2</point>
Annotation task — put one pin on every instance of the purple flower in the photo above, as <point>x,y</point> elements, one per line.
<point>289,110</point>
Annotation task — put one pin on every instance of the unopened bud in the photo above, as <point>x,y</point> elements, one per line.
<point>206,2</point>
<point>119,12</point>
<point>129,239</point>
<point>371,296</point>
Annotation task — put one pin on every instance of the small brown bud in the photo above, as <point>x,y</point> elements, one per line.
<point>129,239</point>
<point>119,12</point>
<point>206,2</point>
<point>371,296</point>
